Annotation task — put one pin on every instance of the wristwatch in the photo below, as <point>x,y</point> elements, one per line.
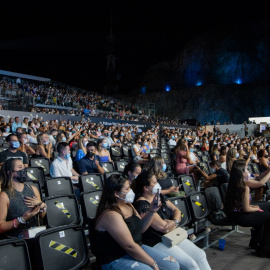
<point>176,222</point>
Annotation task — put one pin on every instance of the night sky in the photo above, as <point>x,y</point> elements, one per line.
<point>67,41</point>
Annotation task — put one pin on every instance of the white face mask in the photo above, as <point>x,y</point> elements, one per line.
<point>155,188</point>
<point>129,196</point>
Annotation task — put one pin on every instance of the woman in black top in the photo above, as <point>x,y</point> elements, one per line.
<point>118,231</point>
<point>18,200</point>
<point>165,220</point>
<point>157,165</point>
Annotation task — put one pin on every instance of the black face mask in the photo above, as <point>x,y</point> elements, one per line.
<point>90,154</point>
<point>22,175</point>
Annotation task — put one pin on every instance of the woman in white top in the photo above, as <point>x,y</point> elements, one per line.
<point>137,153</point>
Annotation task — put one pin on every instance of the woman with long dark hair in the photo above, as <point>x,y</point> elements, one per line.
<point>238,204</point>
<point>18,200</point>
<point>165,220</point>
<point>119,228</point>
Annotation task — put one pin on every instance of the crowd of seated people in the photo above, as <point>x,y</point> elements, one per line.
<point>79,148</point>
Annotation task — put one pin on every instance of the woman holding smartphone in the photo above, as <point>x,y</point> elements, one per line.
<point>21,204</point>
<point>166,219</point>
<point>118,231</point>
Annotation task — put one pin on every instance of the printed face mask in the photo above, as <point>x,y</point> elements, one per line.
<point>22,175</point>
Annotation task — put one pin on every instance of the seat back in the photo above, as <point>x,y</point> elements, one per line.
<point>188,183</point>
<point>36,174</point>
<point>61,248</point>
<point>116,152</point>
<point>197,205</point>
<point>205,167</point>
<point>43,163</point>
<point>126,150</point>
<point>14,253</point>
<point>58,186</point>
<point>89,204</point>
<point>107,175</point>
<point>120,165</point>
<point>61,210</point>
<point>182,204</point>
<point>166,157</point>
<point>90,182</point>
<point>108,167</point>
<point>223,190</point>
<point>213,198</point>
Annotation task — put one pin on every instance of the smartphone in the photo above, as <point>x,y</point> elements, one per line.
<point>156,198</point>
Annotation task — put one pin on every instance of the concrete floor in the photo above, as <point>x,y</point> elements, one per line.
<point>236,255</point>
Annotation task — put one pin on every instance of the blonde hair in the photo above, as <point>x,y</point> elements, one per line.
<point>155,164</point>
<point>80,145</point>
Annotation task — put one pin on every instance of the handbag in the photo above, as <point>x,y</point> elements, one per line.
<point>174,237</point>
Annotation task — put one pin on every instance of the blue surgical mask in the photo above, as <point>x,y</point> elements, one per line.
<point>67,156</point>
<point>191,150</point>
<point>213,170</point>
<point>173,137</point>
<point>64,139</point>
<point>104,145</point>
<point>164,167</point>
<point>237,155</point>
<point>7,129</point>
<point>16,144</point>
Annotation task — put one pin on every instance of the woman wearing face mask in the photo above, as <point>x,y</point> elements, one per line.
<point>102,151</point>
<point>157,165</point>
<point>6,131</point>
<point>19,202</point>
<point>205,144</point>
<point>118,231</point>
<point>167,218</point>
<point>44,147</point>
<point>131,171</point>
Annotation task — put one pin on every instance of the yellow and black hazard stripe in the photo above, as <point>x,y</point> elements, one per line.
<point>63,248</point>
<point>105,168</point>
<point>198,204</point>
<point>115,150</point>
<point>62,208</point>
<point>31,176</point>
<point>90,182</point>
<point>94,201</point>
<point>40,165</point>
<point>187,183</point>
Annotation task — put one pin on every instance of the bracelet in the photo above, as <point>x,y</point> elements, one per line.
<point>21,220</point>
<point>154,265</point>
<point>14,225</point>
<point>152,212</point>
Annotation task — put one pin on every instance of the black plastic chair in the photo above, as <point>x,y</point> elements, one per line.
<point>58,186</point>
<point>63,247</point>
<point>90,182</point>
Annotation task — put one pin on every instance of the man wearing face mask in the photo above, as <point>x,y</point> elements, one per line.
<point>105,135</point>
<point>217,177</point>
<point>90,163</point>
<point>62,166</point>
<point>12,151</point>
